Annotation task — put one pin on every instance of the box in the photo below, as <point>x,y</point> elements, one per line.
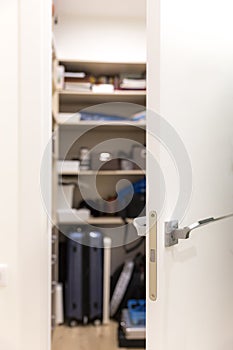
<point>137,311</point>
<point>67,167</point>
<point>131,331</point>
<point>73,216</point>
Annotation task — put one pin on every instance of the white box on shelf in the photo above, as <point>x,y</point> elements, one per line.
<point>68,118</point>
<point>68,167</point>
<point>102,88</point>
<point>69,216</point>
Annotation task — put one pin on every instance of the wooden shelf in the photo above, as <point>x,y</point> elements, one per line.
<point>107,94</point>
<point>105,220</point>
<point>105,173</point>
<point>103,68</point>
<point>70,100</point>
<point>102,220</point>
<point>72,119</point>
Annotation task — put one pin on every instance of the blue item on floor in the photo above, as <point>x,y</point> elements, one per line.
<point>137,311</point>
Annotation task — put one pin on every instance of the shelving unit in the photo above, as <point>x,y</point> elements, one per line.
<point>71,134</point>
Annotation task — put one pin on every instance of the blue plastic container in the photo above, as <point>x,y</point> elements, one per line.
<point>137,311</point>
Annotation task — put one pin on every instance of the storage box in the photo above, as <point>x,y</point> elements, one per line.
<point>68,167</point>
<point>137,311</point>
<point>131,331</point>
<point>73,216</point>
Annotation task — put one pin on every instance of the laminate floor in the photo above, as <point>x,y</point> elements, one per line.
<point>86,338</point>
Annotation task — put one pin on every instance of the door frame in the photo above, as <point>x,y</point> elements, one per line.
<point>35,131</point>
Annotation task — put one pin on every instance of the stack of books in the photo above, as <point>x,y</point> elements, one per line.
<point>77,81</point>
<point>133,82</point>
<point>81,81</point>
<point>140,116</point>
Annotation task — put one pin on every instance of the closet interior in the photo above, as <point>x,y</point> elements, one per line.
<point>99,174</point>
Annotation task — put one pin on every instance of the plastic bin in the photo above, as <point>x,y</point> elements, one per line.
<point>137,311</point>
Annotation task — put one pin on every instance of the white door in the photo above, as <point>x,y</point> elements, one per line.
<point>190,80</point>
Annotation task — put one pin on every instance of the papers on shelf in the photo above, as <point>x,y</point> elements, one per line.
<point>105,88</point>
<point>73,215</point>
<point>78,75</point>
<point>68,167</point>
<point>75,86</point>
<point>133,84</point>
<point>75,118</point>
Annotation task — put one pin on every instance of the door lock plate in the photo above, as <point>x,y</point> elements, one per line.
<point>153,256</point>
<point>170,227</point>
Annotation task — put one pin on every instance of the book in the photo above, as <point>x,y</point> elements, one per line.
<point>78,75</point>
<point>111,117</point>
<point>132,81</point>
<point>133,84</point>
<point>101,117</point>
<point>75,86</point>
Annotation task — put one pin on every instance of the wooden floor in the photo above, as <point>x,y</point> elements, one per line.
<point>86,338</point>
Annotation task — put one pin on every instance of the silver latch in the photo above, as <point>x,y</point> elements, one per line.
<point>140,225</point>
<point>173,233</point>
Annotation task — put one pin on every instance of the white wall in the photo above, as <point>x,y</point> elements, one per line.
<point>9,235</point>
<point>106,8</point>
<point>101,39</point>
<point>24,132</point>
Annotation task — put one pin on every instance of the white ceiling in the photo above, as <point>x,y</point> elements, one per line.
<point>109,8</point>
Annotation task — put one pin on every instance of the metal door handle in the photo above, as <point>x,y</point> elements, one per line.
<point>173,233</point>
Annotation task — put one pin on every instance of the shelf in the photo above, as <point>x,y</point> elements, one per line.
<point>72,119</point>
<point>107,94</point>
<point>104,220</point>
<point>108,220</point>
<point>103,68</point>
<point>81,99</point>
<point>105,172</point>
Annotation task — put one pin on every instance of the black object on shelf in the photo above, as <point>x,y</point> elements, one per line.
<point>129,343</point>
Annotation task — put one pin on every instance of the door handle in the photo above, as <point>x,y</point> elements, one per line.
<point>173,233</point>
<point>140,225</point>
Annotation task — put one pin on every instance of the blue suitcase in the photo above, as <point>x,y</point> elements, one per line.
<point>84,284</point>
<point>95,275</point>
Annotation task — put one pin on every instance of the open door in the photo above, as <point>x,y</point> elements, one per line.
<point>190,82</point>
